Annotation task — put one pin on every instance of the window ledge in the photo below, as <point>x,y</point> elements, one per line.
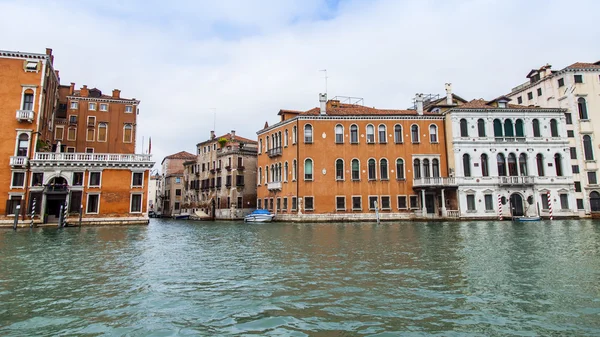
<point>356,180</point>
<point>340,209</point>
<point>490,211</point>
<point>341,180</point>
<point>339,142</point>
<point>402,209</point>
<point>385,209</point>
<point>401,179</point>
<point>472,211</point>
<point>383,179</point>
<point>416,142</point>
<point>357,209</point>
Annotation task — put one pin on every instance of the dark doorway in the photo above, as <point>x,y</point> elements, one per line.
<point>53,203</point>
<point>595,201</point>
<point>430,203</point>
<point>516,205</point>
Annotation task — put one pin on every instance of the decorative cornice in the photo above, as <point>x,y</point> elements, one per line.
<point>18,54</point>
<point>107,100</point>
<point>551,76</point>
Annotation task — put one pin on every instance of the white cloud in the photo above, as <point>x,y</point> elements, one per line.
<point>248,59</point>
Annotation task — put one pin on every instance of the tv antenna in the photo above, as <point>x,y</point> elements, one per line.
<point>325,71</point>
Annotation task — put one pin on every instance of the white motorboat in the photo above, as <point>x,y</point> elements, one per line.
<point>259,215</point>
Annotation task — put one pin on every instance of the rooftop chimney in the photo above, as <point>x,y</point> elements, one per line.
<point>116,93</point>
<point>84,91</point>
<point>72,88</point>
<point>419,103</point>
<point>449,94</point>
<point>323,101</point>
<point>232,134</point>
<point>212,134</point>
<point>49,53</point>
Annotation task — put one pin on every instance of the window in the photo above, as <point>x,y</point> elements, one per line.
<point>294,203</point>
<point>278,203</point>
<point>260,145</point>
<point>340,203</point>
<point>23,145</point>
<point>77,178</point>
<point>580,204</point>
<point>92,106</point>
<point>128,109</point>
<point>72,134</point>
<point>433,137</point>
<point>481,127</point>
<point>573,152</point>
<point>519,100</point>
<point>285,203</point>
<point>464,128</point>
<point>435,165</point>
<point>508,128</point>
<point>339,169</point>
<point>339,134</point>
<point>592,179</point>
<point>398,134</point>
<point>89,150</point>
<point>523,164</point>
<point>127,133</point>
<point>354,134</point>
<point>177,206</point>
<point>485,171</point>
<point>37,179</point>
<point>471,203</point>
<point>561,82</point>
<point>519,132</point>
<point>530,95</point>
<point>371,169</point>
<point>426,173</point>
<point>502,104</point>
<point>416,169</point>
<point>178,180</point>
<point>578,78</point>
<point>539,92</point>
<point>137,179</point>
<point>90,135</point>
<point>58,133</point>
<point>308,134</point>
<point>385,202</point>
<point>568,118</point>
<point>582,107</point>
<point>285,140</point>
<point>466,165</point>
<point>382,134</point>
<point>402,202</point>
<point>497,128</point>
<point>553,128</point>
<point>308,203</point>
<point>414,202</point>
<point>94,179</point>
<point>356,203</point>
<point>93,201</point>
<point>536,128</point>
<point>501,163</point>
<point>383,169</point>
<point>294,170</point>
<point>414,132</point>
<point>285,172</point>
<point>355,169</point>
<point>103,107</point>
<point>539,159</point>
<point>570,134</point>
<point>74,105</point>
<point>588,149</point>
<point>575,168</point>
<point>239,203</point>
<point>400,169</point>
<point>373,202</point>
<point>18,179</point>
<point>12,203</point>
<point>102,130</point>
<point>489,202</point>
<point>308,169</point>
<point>70,149</point>
<point>545,204</point>
<point>28,101</point>
<point>370,134</point>
<point>136,203</point>
<point>512,164</point>
<point>578,186</point>
<point>294,135</point>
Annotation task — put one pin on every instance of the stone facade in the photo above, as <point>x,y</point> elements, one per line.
<point>171,185</point>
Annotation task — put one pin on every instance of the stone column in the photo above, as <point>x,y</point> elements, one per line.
<point>423,208</point>
<point>444,213</point>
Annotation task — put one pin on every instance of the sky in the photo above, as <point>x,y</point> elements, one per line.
<point>242,61</point>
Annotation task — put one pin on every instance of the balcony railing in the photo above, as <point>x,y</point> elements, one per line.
<point>510,139</point>
<point>92,157</point>
<point>274,152</point>
<point>454,214</point>
<point>25,115</point>
<point>434,181</point>
<point>16,161</point>
<point>274,185</point>
<point>516,180</point>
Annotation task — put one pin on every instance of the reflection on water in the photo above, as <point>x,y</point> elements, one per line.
<point>185,278</point>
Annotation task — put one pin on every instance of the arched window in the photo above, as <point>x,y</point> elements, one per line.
<point>370,134</point>
<point>433,136</point>
<point>501,165</point>
<point>481,127</point>
<point>273,173</point>
<point>308,169</point>
<point>400,169</point>
<point>383,169</point>
<point>267,174</point>
<point>259,175</point>
<point>553,128</point>
<point>294,135</point>
<point>523,164</point>
<point>426,171</point>
<point>539,160</point>
<point>582,106</point>
<point>287,136</point>
<point>279,141</point>
<point>519,131</point>
<point>595,201</point>
<point>260,145</point>
<point>285,171</point>
<point>294,170</point>
<point>23,145</point>
<point>417,168</point>
<point>102,130</point>
<point>464,128</point>
<point>485,169</point>
<point>268,143</point>
<point>536,128</point>
<point>308,133</point>
<point>353,134</point>
<point>382,133</point>
<point>414,133</point>
<point>339,134</point>
<point>127,133</point>
<point>371,168</point>
<point>497,128</point>
<point>339,169</point>
<point>508,128</point>
<point>435,166</point>
<point>355,169</point>
<point>558,165</point>
<point>397,134</point>
<point>512,164</point>
<point>588,149</point>
<point>467,165</point>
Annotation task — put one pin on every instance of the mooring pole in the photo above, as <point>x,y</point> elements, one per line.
<point>17,209</point>
<point>377,212</point>
<point>65,215</point>
<point>80,213</point>
<point>60,216</point>
<point>32,213</point>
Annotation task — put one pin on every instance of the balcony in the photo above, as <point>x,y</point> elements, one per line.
<point>46,159</point>
<point>240,168</point>
<point>18,161</point>
<point>510,139</point>
<point>25,116</point>
<point>276,185</point>
<point>515,180</point>
<point>435,181</point>
<point>275,152</point>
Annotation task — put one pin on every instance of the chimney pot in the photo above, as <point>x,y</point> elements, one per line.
<point>84,91</point>
<point>419,103</point>
<point>72,88</point>
<point>212,134</point>
<point>323,103</point>
<point>116,93</point>
<point>449,100</point>
<point>232,134</point>
<point>49,51</point>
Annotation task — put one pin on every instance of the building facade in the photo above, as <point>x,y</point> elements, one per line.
<point>575,88</point>
<point>345,161</point>
<point>171,185</point>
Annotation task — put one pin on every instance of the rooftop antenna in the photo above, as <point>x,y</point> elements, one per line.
<point>325,71</point>
<point>214,110</point>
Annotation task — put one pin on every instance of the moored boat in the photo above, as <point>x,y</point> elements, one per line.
<point>527,218</point>
<point>181,216</point>
<point>259,215</point>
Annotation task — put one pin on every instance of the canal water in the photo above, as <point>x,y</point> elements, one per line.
<point>179,278</point>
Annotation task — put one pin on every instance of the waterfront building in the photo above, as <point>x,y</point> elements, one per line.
<point>575,88</point>
<point>153,185</point>
<point>343,160</point>
<point>40,170</point>
<point>221,182</point>
<point>171,186</point>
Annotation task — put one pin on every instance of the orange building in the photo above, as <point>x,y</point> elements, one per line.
<point>343,161</point>
<point>39,171</point>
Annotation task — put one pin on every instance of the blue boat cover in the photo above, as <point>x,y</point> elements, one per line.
<point>261,211</point>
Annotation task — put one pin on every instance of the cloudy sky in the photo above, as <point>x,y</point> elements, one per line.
<point>248,59</point>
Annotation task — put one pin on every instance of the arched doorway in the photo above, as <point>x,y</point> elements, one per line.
<point>595,201</point>
<point>55,192</point>
<point>516,205</point>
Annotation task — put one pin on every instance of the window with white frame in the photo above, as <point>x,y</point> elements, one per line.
<point>18,179</point>
<point>340,203</point>
<point>92,106</point>
<point>433,135</point>
<point>370,134</point>
<point>373,202</point>
<point>102,132</point>
<point>72,133</point>
<point>103,107</point>
<point>309,203</point>
<point>308,133</point>
<point>58,133</point>
<point>136,203</point>
<point>128,108</point>
<point>127,133</point>
<point>94,179</point>
<point>308,169</point>
<point>137,179</point>
<point>74,105</point>
<point>471,203</point>
<point>402,202</point>
<point>93,204</point>
<point>385,202</point>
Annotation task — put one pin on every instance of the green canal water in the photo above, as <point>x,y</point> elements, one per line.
<point>394,279</point>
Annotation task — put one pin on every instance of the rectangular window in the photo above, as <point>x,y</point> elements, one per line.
<point>128,109</point>
<point>102,129</point>
<point>356,203</point>
<point>89,150</point>
<point>136,203</point>
<point>544,198</point>
<point>285,203</point>
<point>294,203</point>
<point>539,91</point>
<point>58,133</point>
<point>259,204</point>
<point>575,168</point>
<point>489,202</point>
<point>578,78</point>
<point>578,186</point>
<point>519,100</point>
<point>570,134</point>
<point>278,204</point>
<point>402,202</point>
<point>28,102</point>
<point>239,203</point>
<point>178,192</point>
<point>573,153</point>
<point>103,107</point>
<point>178,180</point>
<point>74,105</point>
<point>568,118</point>
<point>138,179</point>
<point>385,202</point>
<point>308,203</point>
<point>77,178</point>
<point>266,203</point>
<point>340,203</point>
<point>70,149</point>
<point>37,179</point>
<point>94,179</point>
<point>580,204</point>
<point>90,135</point>
<point>75,202</point>
<point>530,95</point>
<point>93,201</point>
<point>127,133</point>
<point>91,121</point>
<point>73,119</point>
<point>373,202</point>
<point>561,82</point>
<point>92,106</point>
<point>471,202</point>
<point>18,179</point>
<point>564,201</point>
<point>176,206</point>
<point>12,203</point>
<point>414,202</point>
<point>592,180</point>
<point>72,134</point>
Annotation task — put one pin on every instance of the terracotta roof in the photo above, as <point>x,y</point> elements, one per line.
<point>77,93</point>
<point>483,104</point>
<point>237,138</point>
<point>582,65</point>
<point>357,110</point>
<point>181,155</point>
<point>442,102</point>
<point>282,111</point>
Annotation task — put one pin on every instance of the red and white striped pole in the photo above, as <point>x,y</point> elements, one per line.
<point>549,204</point>
<point>500,206</point>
